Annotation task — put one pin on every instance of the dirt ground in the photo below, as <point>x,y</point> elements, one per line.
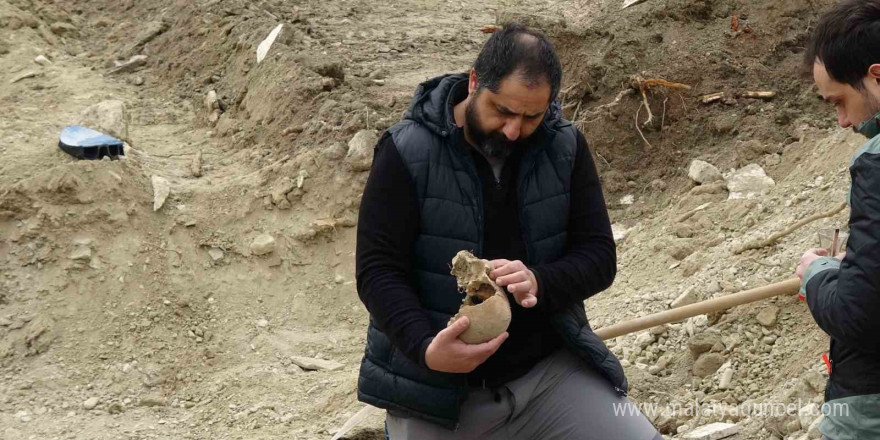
<point>121,321</point>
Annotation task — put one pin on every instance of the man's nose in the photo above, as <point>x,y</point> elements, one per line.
<point>842,119</point>
<point>512,129</point>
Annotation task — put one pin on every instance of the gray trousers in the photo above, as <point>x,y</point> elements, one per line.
<point>560,398</point>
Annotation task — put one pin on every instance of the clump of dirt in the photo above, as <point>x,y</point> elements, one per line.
<point>485,304</point>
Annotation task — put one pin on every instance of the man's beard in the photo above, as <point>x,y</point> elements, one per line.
<point>872,109</point>
<point>494,145</point>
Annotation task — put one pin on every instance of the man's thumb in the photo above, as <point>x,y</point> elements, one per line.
<point>458,327</point>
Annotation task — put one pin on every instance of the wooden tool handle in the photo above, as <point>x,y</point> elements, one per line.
<point>789,287</point>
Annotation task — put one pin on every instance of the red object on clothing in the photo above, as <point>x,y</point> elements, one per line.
<point>827,362</point>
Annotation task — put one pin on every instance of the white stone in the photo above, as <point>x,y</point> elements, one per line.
<point>161,190</point>
<point>704,172</point>
<point>262,322</point>
<point>749,182</point>
<point>644,339</point>
<point>618,232</point>
<point>91,403</point>
<point>712,431</point>
<point>263,244</point>
<point>360,150</point>
<point>216,254</point>
<point>265,45</point>
<point>726,378</point>
<point>82,253</point>
<point>628,199</point>
<point>109,117</point>
<point>684,299</point>
<point>808,413</point>
<point>42,60</point>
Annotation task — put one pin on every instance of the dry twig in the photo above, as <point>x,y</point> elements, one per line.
<point>758,244</point>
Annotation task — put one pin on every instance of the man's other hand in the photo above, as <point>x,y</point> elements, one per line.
<point>448,354</point>
<point>810,256</point>
<point>518,279</point>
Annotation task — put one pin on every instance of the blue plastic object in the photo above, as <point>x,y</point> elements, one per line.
<point>85,143</point>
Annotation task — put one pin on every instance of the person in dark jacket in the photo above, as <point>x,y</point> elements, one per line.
<point>483,161</point>
<point>843,291</point>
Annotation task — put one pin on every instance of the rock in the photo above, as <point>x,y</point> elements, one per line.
<point>627,200</point>
<point>360,150</point>
<point>682,251</point>
<point>703,172</point>
<point>644,339</point>
<point>262,322</point>
<point>338,279</point>
<point>115,408</point>
<point>152,400</point>
<point>195,167</point>
<point>659,330</point>
<point>712,431</point>
<point>808,413</point>
<point>334,69</point>
<point>813,429</point>
<point>379,73</point>
<point>161,190</point>
<point>658,185</point>
<point>328,83</point>
<point>315,364</point>
<point>216,254</point>
<point>138,80</point>
<point>42,60</point>
<point>213,107</point>
<point>91,403</point>
<point>702,342</point>
<point>335,151</point>
<point>280,189</point>
<point>60,28</point>
<point>749,182</point>
<point>686,298</point>
<point>708,364</point>
<point>81,253</point>
<point>725,379</point>
<point>263,244</point>
<point>109,117</point>
<point>815,381</point>
<point>134,63</point>
<point>24,75</point>
<point>768,316</point>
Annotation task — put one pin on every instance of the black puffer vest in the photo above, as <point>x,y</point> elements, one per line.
<point>451,213</point>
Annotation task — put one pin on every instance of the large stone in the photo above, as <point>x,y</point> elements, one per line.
<point>134,63</point>
<point>768,316</point>
<point>315,364</point>
<point>109,117</point>
<point>686,298</point>
<point>263,244</point>
<point>702,342</point>
<point>808,413</point>
<point>704,172</point>
<point>708,364</point>
<point>749,182</point>
<point>712,431</point>
<point>360,150</point>
<point>161,190</point>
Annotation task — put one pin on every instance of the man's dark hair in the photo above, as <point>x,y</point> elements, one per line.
<point>518,49</point>
<point>847,41</point>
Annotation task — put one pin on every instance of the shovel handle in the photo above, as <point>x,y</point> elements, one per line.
<point>789,287</point>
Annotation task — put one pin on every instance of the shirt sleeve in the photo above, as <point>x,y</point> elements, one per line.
<point>387,228</point>
<point>844,297</point>
<point>589,263</point>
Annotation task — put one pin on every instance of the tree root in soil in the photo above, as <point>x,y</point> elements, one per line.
<point>758,244</point>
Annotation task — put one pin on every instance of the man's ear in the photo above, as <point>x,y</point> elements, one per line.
<point>874,72</point>
<point>472,81</point>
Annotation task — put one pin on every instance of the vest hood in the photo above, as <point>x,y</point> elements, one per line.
<point>432,105</point>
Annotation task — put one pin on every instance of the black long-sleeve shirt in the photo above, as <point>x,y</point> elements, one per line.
<point>389,224</point>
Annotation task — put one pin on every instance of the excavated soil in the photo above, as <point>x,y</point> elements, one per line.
<point>121,321</point>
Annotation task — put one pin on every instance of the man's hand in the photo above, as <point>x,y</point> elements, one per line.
<point>809,257</point>
<point>448,354</point>
<point>519,280</point>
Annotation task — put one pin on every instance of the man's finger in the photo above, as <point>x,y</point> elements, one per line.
<point>505,269</point>
<point>526,299</point>
<point>514,278</point>
<point>486,349</point>
<point>498,263</point>
<point>520,288</point>
<point>455,329</point>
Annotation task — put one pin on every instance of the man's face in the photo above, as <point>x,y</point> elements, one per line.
<point>853,106</point>
<point>497,122</point>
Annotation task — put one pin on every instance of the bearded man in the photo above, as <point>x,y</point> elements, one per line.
<point>843,291</point>
<point>484,161</point>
